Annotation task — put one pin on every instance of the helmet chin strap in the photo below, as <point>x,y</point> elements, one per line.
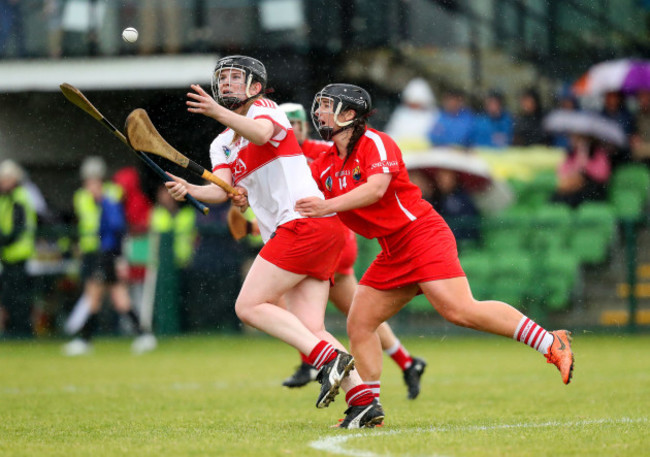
<point>345,125</point>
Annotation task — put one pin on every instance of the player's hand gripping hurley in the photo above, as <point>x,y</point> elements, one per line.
<point>143,136</point>
<point>77,97</point>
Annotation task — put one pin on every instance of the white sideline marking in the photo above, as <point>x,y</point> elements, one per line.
<point>335,444</point>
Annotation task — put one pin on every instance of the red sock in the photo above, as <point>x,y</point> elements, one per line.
<point>322,353</point>
<point>374,387</point>
<point>304,358</point>
<point>360,395</point>
<point>400,355</point>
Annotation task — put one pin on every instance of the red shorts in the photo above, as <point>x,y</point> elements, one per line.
<point>308,246</point>
<point>348,254</point>
<point>425,250</point>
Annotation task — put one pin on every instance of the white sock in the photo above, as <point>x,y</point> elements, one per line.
<point>393,349</point>
<point>374,387</point>
<point>78,316</point>
<point>528,332</point>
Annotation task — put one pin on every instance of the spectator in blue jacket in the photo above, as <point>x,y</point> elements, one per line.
<point>455,124</point>
<point>493,128</point>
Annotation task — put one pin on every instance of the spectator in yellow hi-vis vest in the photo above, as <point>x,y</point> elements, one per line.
<point>169,216</point>
<point>101,228</point>
<point>17,232</point>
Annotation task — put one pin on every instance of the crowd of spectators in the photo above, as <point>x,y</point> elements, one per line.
<point>589,161</point>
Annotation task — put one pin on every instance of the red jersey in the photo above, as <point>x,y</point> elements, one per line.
<point>314,148</point>
<point>375,152</point>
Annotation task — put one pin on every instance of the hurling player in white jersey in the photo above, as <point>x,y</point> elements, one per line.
<point>258,153</point>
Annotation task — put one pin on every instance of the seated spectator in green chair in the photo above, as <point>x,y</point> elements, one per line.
<point>584,173</point>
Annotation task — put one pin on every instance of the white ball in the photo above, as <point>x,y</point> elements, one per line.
<point>130,35</point>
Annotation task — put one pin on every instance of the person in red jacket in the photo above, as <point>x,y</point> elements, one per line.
<point>345,282</point>
<point>364,180</point>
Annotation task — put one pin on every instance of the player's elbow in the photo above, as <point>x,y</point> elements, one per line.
<point>377,192</point>
<point>263,135</point>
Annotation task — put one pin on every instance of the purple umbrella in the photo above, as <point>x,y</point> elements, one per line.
<point>627,75</point>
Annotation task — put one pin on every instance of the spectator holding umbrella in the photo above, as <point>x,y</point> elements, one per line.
<point>586,169</point>
<point>584,173</point>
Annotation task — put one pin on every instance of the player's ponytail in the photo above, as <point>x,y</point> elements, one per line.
<point>357,132</point>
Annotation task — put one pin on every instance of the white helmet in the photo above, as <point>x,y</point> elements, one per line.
<point>11,170</point>
<point>93,167</point>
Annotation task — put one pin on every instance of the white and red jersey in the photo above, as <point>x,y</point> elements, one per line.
<point>314,148</point>
<point>375,152</point>
<point>275,174</point>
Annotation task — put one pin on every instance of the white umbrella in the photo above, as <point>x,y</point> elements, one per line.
<point>473,171</point>
<point>585,123</point>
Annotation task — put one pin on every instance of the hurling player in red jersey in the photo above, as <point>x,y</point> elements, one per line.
<point>345,282</point>
<point>364,180</point>
<point>259,154</point>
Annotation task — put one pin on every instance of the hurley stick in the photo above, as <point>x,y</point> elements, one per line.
<point>143,136</point>
<point>79,99</point>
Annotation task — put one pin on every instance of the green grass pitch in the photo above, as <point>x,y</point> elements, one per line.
<point>221,396</point>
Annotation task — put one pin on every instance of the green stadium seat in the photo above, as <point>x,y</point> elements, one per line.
<point>627,203</point>
<point>511,277</point>
<point>595,224</point>
<point>542,188</point>
<point>550,227</point>
<point>507,230</point>
<point>631,177</point>
<point>555,276</point>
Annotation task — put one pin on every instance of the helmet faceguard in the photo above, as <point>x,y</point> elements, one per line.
<point>335,99</point>
<point>238,88</point>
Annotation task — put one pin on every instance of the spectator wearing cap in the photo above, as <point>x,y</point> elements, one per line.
<point>415,115</point>
<point>17,233</point>
<point>493,128</point>
<point>455,124</point>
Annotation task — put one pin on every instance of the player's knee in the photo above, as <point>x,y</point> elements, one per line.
<point>243,312</point>
<point>358,329</point>
<point>458,314</point>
